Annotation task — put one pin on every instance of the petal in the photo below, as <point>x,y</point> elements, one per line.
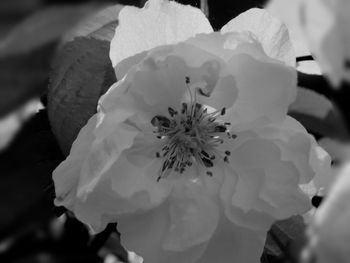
<point>193,215</point>
<point>66,175</point>
<point>287,11</point>
<point>123,189</point>
<point>271,32</point>
<point>234,244</point>
<point>298,146</point>
<point>264,89</point>
<point>160,22</point>
<point>322,27</point>
<point>144,234</point>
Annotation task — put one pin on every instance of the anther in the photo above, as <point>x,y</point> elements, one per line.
<point>223,111</point>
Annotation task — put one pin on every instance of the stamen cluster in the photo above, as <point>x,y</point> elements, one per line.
<point>190,136</point>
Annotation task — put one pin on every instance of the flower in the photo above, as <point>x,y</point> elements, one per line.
<point>329,231</point>
<point>192,151</point>
<point>326,25</point>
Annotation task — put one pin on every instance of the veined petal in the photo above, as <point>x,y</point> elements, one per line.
<point>144,234</point>
<point>271,32</point>
<point>265,89</point>
<point>160,22</point>
<point>232,243</point>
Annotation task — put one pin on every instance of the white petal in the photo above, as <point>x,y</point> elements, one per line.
<point>287,12</point>
<point>271,32</point>
<point>194,217</point>
<point>160,22</point>
<point>66,175</point>
<point>265,89</point>
<point>144,234</point>
<point>234,244</point>
<point>298,146</point>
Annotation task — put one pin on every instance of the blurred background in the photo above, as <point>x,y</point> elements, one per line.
<point>32,229</point>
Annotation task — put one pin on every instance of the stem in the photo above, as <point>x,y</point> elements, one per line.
<point>205,7</point>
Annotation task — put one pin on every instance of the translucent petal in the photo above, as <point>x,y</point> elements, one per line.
<point>193,214</point>
<point>234,244</point>
<point>144,234</point>
<point>265,89</point>
<point>271,32</point>
<point>66,175</point>
<point>159,23</point>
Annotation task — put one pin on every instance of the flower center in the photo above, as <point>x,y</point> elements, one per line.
<point>191,136</point>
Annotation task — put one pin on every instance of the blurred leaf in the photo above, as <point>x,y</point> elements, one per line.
<point>43,27</point>
<point>100,25</point>
<point>26,189</point>
<point>81,73</point>
<point>285,240</point>
<point>26,52</point>
<point>23,77</point>
<point>315,109</point>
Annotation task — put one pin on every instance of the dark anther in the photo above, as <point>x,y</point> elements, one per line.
<point>205,94</point>
<point>207,162</point>
<point>209,173</point>
<point>205,154</point>
<point>220,128</point>
<point>223,111</point>
<point>157,154</point>
<point>172,112</point>
<point>187,80</point>
<point>228,153</point>
<point>160,121</point>
<point>226,159</point>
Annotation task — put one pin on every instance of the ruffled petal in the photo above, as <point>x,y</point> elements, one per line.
<point>144,233</point>
<point>160,22</point>
<point>123,189</point>
<point>271,33</point>
<point>266,188</point>
<point>265,89</point>
<point>232,243</point>
<point>298,146</point>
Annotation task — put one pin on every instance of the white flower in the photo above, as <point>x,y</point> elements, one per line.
<point>192,151</point>
<point>327,28</point>
<point>330,231</point>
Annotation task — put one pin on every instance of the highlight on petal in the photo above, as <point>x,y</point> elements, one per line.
<point>160,22</point>
<point>271,32</point>
<point>326,27</point>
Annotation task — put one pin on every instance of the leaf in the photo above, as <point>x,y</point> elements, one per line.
<point>81,73</point>
<point>26,191</point>
<point>318,114</point>
<point>100,25</point>
<point>286,238</point>
<point>26,52</point>
<point>23,77</point>
<point>45,26</point>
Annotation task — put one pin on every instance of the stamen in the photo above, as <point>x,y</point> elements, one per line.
<point>190,136</point>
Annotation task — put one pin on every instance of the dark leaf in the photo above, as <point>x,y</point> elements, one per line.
<point>81,73</point>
